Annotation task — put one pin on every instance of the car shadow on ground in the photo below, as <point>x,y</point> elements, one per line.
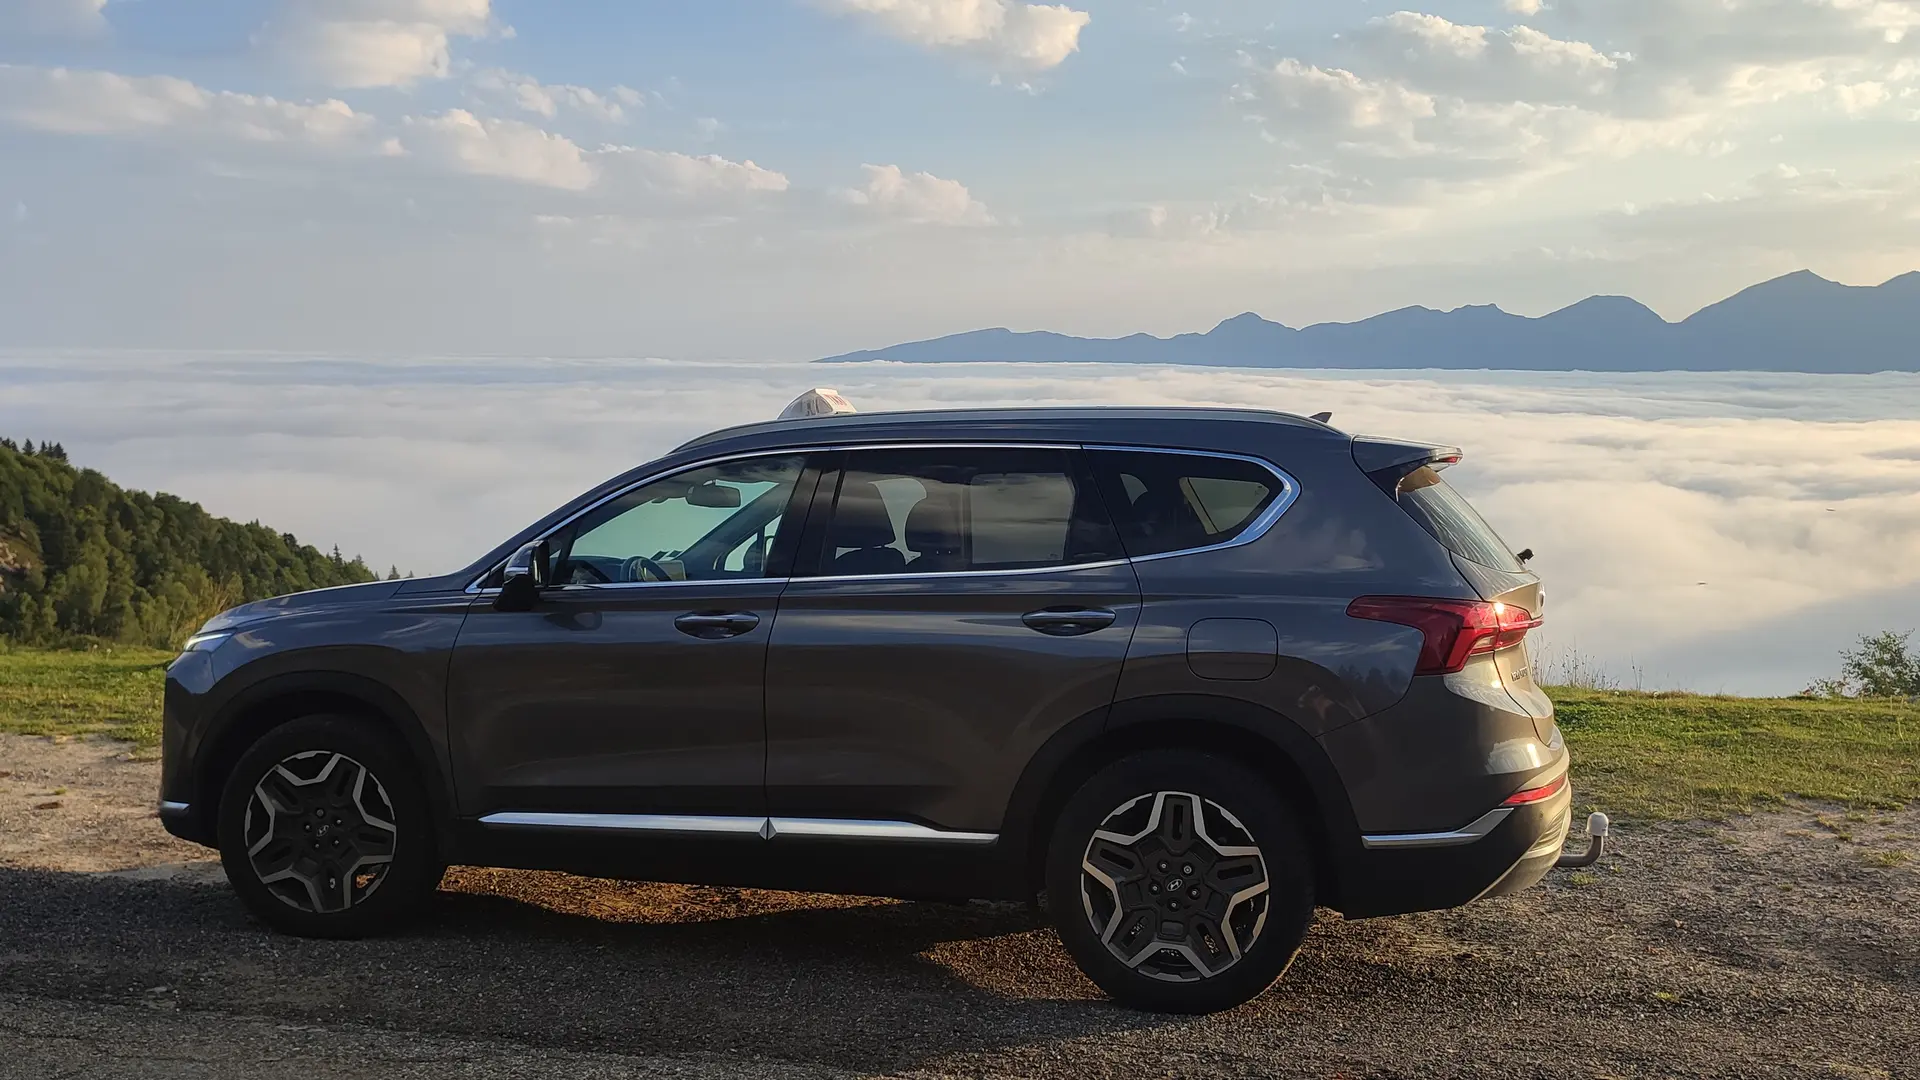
<point>553,960</point>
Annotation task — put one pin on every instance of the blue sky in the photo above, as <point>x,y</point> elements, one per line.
<point>785,178</point>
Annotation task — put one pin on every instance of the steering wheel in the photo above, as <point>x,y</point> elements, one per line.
<point>636,569</point>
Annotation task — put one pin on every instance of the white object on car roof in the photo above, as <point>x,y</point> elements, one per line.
<point>819,401</point>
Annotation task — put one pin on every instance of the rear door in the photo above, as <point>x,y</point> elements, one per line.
<point>954,607</point>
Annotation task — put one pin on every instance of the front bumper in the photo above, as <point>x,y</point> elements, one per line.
<point>1479,860</point>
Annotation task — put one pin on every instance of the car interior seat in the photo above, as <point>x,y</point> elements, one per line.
<point>863,532</point>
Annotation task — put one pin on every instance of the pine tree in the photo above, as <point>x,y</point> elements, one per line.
<point>90,561</point>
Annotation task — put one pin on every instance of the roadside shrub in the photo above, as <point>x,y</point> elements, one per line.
<point>1878,666</point>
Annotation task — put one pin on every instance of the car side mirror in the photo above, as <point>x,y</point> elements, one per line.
<point>524,577</point>
<point>714,496</point>
<point>1525,555</point>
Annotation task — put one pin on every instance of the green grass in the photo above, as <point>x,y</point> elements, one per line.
<point>1680,756</point>
<point>112,692</point>
<point>1647,756</point>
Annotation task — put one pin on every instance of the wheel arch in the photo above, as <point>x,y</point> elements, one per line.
<point>280,699</point>
<point>1264,739</point>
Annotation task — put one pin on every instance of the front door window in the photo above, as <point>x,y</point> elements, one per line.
<point>715,523</point>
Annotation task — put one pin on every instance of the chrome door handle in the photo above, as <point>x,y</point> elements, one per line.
<point>716,624</point>
<point>1068,622</point>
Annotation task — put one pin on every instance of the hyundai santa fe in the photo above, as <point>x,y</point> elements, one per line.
<point>1186,674</point>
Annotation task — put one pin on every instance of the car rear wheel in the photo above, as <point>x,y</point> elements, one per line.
<point>1179,881</point>
<point>325,831</point>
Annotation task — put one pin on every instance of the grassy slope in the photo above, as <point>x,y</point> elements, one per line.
<point>115,692</point>
<point>1688,756</point>
<point>1635,755</point>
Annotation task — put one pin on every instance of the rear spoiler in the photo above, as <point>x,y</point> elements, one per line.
<point>1388,461</point>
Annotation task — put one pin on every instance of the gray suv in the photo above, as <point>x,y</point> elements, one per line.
<point>1184,673</point>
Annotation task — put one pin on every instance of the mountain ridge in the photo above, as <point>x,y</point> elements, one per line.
<point>1797,322</point>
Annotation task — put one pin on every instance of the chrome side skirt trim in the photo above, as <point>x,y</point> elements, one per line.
<point>841,829</point>
<point>650,823</point>
<point>763,827</point>
<point>168,808</point>
<point>1466,834</point>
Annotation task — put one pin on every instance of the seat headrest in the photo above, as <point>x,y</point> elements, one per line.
<point>933,526</point>
<point>860,517</point>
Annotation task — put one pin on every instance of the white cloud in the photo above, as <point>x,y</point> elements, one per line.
<point>919,197</point>
<point>458,140</point>
<point>369,43</point>
<point>53,18</point>
<point>507,149</point>
<point>1036,36</point>
<point>1523,7</point>
<point>1861,96</point>
<point>1316,94</point>
<point>692,175</point>
<point>1416,107</point>
<point>549,100</point>
<point>100,102</point>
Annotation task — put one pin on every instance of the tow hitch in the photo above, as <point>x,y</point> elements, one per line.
<point>1596,844</point>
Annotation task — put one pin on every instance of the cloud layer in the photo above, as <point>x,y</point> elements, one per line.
<point>1719,532</point>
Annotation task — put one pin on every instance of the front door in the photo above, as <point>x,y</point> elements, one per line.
<point>635,685</point>
<point>957,607</point>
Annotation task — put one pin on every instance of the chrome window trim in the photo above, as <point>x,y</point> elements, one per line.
<point>1476,829</point>
<point>935,575</point>
<point>766,828</point>
<point>1254,530</point>
<point>1290,492</point>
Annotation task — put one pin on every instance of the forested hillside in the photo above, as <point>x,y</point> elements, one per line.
<point>83,559</point>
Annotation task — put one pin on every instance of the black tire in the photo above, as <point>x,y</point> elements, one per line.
<point>318,897</point>
<point>1239,811</point>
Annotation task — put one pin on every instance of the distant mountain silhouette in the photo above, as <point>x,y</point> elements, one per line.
<point>1800,322</point>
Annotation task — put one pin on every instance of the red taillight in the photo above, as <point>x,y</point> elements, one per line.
<point>1453,629</point>
<point>1534,795</point>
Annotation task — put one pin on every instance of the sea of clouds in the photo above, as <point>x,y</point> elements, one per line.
<point>1719,532</point>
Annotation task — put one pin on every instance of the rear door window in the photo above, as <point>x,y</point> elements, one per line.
<point>961,510</point>
<point>1453,521</point>
<point>1165,501</point>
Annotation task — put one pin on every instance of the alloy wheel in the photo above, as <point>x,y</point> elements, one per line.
<point>320,831</point>
<point>1174,886</point>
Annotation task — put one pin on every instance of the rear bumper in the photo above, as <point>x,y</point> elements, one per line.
<point>1397,874</point>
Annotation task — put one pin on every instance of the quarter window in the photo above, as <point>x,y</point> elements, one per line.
<point>709,524</point>
<point>1174,502</point>
<point>946,511</point>
<point>1445,513</point>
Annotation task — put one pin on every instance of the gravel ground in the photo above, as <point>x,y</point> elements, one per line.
<point>1780,945</point>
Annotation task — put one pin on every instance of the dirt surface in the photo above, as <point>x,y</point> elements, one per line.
<point>1786,945</point>
<point>84,804</point>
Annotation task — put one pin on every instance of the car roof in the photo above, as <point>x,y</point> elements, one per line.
<point>950,422</point>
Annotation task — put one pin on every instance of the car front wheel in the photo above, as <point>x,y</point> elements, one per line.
<point>325,831</point>
<point>1179,881</point>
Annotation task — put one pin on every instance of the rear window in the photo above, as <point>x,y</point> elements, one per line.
<point>1174,502</point>
<point>1453,521</point>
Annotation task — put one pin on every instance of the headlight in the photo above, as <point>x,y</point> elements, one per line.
<point>206,642</point>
